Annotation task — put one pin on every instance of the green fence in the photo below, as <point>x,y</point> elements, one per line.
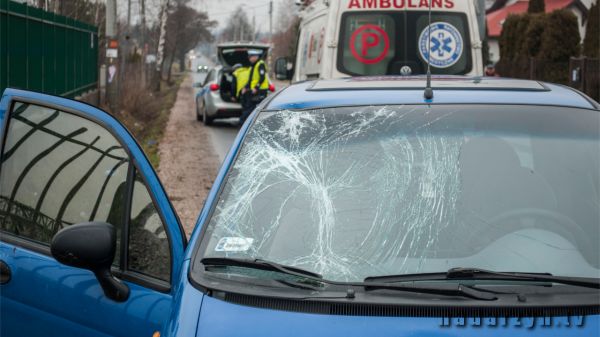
<point>45,52</point>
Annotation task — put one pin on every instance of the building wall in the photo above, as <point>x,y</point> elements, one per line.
<point>494,50</point>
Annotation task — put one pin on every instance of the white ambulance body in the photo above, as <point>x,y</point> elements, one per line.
<point>341,38</point>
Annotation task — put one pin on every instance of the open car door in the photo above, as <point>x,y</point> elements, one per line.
<point>63,164</point>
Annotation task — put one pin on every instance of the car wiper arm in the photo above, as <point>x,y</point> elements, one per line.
<point>260,264</point>
<point>483,274</point>
<point>446,290</point>
<point>476,273</point>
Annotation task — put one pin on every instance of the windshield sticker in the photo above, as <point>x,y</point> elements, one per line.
<point>446,45</point>
<point>234,244</point>
<point>369,44</point>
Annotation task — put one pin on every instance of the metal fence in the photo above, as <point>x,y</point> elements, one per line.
<point>45,52</point>
<point>580,73</point>
<point>585,76</point>
<point>549,71</point>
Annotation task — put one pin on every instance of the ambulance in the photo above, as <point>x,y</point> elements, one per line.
<point>341,38</point>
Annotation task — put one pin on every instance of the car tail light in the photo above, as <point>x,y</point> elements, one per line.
<point>271,87</point>
<point>214,87</point>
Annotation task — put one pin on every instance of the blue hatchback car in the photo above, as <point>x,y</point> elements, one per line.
<point>348,207</point>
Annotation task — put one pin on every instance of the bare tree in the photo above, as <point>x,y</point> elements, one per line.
<point>186,27</point>
<point>160,59</point>
<point>80,10</point>
<point>238,27</point>
<point>285,39</point>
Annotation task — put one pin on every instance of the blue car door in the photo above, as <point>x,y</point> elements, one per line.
<point>64,162</point>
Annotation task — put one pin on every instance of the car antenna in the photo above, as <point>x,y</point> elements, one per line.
<point>428,94</point>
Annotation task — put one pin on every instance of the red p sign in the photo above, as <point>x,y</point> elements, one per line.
<point>369,40</point>
<point>371,36</point>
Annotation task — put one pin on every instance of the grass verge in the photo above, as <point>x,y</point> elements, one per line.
<point>146,114</point>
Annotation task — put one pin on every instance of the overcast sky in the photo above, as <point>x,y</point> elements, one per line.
<point>220,10</point>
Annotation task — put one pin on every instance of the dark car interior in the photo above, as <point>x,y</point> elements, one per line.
<point>228,57</point>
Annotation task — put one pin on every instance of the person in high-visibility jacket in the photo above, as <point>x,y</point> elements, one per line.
<point>241,75</point>
<point>258,84</point>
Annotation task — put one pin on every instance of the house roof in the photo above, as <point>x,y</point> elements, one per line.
<point>496,18</point>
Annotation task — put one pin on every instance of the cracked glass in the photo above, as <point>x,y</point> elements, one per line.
<point>352,192</point>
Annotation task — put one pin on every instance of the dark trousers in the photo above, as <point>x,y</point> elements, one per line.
<point>249,102</point>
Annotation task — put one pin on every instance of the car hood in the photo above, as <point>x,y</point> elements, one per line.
<point>222,319</point>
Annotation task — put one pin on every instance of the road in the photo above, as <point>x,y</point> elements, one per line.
<point>191,153</point>
<point>188,164</point>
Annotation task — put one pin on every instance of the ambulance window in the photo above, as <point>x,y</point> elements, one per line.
<point>450,43</point>
<point>367,43</point>
<point>390,43</point>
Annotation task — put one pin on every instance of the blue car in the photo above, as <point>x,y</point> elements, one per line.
<point>348,207</point>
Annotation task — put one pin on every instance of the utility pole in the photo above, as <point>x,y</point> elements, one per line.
<point>270,33</point>
<point>242,33</point>
<point>480,5</point>
<point>143,40</point>
<point>112,56</point>
<point>253,28</point>
<point>128,14</point>
<point>271,21</point>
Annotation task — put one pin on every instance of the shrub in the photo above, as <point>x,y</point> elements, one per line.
<point>536,6</point>
<point>561,38</point>
<point>513,62</point>
<point>533,35</point>
<point>507,37</point>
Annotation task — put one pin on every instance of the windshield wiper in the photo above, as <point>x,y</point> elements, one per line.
<point>441,289</point>
<point>446,290</point>
<point>483,274</point>
<point>260,264</point>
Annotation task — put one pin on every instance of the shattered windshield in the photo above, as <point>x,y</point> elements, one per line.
<point>362,191</point>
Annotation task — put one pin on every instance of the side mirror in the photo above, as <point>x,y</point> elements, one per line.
<point>283,69</point>
<point>197,85</point>
<point>91,246</point>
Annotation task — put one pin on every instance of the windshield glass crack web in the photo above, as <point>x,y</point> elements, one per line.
<point>351,192</point>
<point>338,190</point>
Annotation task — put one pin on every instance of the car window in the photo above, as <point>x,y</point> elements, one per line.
<point>210,77</point>
<point>59,169</point>
<point>149,251</point>
<point>381,44</point>
<point>367,45</point>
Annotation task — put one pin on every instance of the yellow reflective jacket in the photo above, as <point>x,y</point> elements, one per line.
<point>256,76</point>
<point>242,75</point>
